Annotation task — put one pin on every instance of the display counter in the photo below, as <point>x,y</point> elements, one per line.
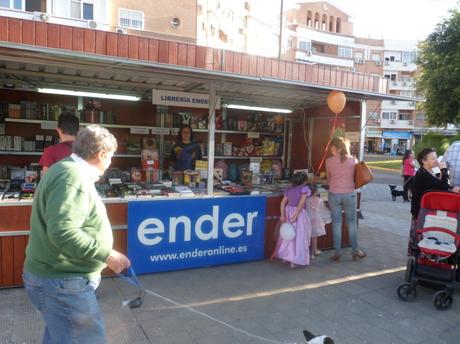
<point>14,231</point>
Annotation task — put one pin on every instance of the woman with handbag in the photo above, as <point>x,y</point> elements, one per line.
<point>340,171</point>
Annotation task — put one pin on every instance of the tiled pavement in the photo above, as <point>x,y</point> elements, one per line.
<point>354,302</point>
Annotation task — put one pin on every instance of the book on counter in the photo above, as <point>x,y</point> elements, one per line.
<point>184,191</point>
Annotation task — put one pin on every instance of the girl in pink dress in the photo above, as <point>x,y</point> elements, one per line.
<point>316,211</point>
<point>297,250</point>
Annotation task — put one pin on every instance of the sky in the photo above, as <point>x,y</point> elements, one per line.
<point>395,19</point>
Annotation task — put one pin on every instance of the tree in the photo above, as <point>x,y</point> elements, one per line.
<point>439,78</point>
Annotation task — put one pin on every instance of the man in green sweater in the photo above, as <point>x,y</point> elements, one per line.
<point>71,242</point>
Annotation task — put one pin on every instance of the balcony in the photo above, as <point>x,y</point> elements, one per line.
<point>324,59</point>
<point>399,66</point>
<point>398,105</point>
<point>401,85</point>
<point>325,37</point>
<point>397,124</point>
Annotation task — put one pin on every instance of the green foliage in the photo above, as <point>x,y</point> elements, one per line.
<point>439,78</point>
<point>437,141</point>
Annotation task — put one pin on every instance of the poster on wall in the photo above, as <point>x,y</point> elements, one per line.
<point>190,233</point>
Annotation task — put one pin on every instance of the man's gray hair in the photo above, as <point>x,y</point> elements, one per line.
<point>91,140</point>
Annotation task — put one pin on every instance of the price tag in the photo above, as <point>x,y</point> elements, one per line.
<point>160,131</point>
<point>49,125</point>
<point>253,135</point>
<point>258,159</point>
<point>139,130</point>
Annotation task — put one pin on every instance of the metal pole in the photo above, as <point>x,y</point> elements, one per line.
<point>281,29</point>
<point>362,136</point>
<point>211,137</point>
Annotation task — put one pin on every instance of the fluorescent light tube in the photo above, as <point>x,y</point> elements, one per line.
<point>257,108</point>
<point>88,94</point>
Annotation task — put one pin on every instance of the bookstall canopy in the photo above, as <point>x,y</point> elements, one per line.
<point>25,67</point>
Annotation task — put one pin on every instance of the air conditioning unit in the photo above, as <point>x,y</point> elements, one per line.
<point>405,64</point>
<point>92,24</point>
<point>392,121</point>
<point>410,122</point>
<point>412,103</point>
<point>308,53</point>
<point>359,61</point>
<point>393,102</point>
<point>378,63</point>
<point>121,31</point>
<point>40,16</point>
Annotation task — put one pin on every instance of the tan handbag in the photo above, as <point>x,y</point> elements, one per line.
<point>363,174</point>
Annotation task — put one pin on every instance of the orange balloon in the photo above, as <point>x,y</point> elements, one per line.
<point>336,101</point>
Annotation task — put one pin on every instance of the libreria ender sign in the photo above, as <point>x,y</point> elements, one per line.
<point>169,235</point>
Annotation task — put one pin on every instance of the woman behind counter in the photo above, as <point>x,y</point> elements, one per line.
<point>185,151</point>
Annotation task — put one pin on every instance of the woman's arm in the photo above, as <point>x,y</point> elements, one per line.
<point>282,207</point>
<point>299,208</point>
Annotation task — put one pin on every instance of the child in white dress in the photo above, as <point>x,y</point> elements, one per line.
<point>319,215</point>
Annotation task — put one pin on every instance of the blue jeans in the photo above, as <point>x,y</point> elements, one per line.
<point>69,308</point>
<point>347,202</point>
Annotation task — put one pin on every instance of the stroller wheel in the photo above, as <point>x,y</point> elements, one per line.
<point>442,300</point>
<point>407,292</point>
<point>409,269</point>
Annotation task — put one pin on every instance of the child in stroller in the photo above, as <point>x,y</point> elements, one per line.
<point>436,255</point>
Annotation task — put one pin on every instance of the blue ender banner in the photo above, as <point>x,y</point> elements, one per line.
<point>167,235</point>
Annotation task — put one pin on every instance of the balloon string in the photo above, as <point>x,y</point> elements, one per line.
<point>327,146</point>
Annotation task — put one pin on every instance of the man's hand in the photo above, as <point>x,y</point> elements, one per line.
<point>118,261</point>
<point>456,189</point>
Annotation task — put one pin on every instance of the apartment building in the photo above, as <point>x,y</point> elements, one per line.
<point>249,26</point>
<point>319,33</point>
<point>172,20</point>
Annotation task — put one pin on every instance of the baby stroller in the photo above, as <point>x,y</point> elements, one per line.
<point>436,258</point>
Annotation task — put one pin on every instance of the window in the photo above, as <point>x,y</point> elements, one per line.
<point>389,115</point>
<point>81,9</point>
<point>33,5</point>
<point>338,25</point>
<point>88,11</point>
<point>407,93</point>
<point>317,48</point>
<point>131,19</point>
<point>13,4</point>
<point>375,57</point>
<point>392,77</point>
<point>305,46</point>
<point>408,56</point>
<point>404,116</point>
<point>345,52</point>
